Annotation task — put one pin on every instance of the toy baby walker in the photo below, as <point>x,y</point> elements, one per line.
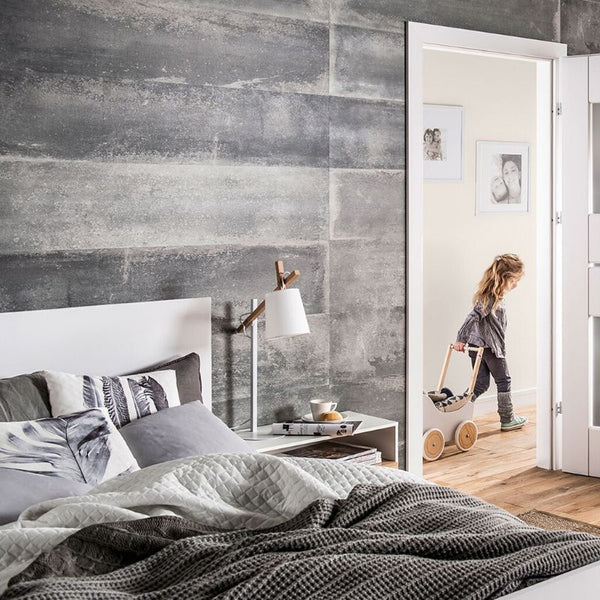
<point>446,416</point>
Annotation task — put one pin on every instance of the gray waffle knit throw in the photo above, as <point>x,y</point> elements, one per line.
<point>404,540</point>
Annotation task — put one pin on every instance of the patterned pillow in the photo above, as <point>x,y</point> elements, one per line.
<point>83,447</point>
<point>187,371</point>
<point>125,398</point>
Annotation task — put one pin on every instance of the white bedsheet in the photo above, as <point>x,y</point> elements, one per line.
<point>228,491</point>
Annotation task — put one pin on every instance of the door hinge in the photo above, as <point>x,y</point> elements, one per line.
<point>559,108</point>
<point>558,217</point>
<point>559,408</point>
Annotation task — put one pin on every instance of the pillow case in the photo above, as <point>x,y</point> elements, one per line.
<point>24,397</point>
<point>186,430</point>
<point>187,370</point>
<point>83,447</point>
<point>125,398</point>
<point>21,489</point>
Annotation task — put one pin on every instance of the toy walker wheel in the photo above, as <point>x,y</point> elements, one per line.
<point>433,444</point>
<point>465,435</point>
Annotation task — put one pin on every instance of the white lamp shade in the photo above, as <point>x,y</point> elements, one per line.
<point>285,316</point>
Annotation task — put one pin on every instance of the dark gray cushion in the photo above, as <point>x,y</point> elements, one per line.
<point>24,398</point>
<point>21,489</point>
<point>178,432</point>
<point>187,371</point>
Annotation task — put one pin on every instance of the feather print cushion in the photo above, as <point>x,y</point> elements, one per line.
<point>125,398</point>
<point>83,447</point>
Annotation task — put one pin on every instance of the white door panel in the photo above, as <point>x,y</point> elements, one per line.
<point>575,194</point>
<point>594,68</point>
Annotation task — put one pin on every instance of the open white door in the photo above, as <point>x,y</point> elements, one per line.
<point>419,37</point>
<point>578,343</point>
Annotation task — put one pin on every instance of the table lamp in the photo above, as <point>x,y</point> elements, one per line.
<point>285,317</point>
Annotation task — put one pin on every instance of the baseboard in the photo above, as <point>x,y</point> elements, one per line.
<point>488,402</point>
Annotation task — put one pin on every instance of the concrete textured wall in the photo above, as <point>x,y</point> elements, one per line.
<point>168,149</point>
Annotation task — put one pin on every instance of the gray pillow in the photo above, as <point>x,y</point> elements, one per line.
<point>178,432</point>
<point>21,489</point>
<point>187,370</point>
<point>24,398</point>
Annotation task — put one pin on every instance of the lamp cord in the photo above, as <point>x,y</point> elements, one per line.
<point>240,426</point>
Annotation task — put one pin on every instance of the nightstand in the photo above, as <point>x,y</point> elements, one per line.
<point>373,431</point>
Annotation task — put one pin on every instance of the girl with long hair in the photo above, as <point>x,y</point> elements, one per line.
<point>485,327</point>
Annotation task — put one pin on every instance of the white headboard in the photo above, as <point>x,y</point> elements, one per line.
<point>109,339</point>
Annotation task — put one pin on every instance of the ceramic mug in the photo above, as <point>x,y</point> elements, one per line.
<point>319,406</point>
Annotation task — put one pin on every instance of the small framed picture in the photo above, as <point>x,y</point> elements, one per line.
<point>442,142</point>
<point>502,178</point>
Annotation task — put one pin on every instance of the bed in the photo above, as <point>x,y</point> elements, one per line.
<point>229,522</point>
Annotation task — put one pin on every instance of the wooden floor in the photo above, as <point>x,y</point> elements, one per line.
<point>501,469</point>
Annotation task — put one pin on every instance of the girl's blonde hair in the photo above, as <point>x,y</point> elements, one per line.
<point>494,282</point>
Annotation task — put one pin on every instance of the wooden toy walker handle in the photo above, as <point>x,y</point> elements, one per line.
<point>444,369</point>
<point>447,363</point>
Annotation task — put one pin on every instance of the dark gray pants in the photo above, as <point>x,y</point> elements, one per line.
<point>497,367</point>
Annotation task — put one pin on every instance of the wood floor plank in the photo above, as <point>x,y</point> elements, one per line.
<point>501,469</point>
<point>515,509</point>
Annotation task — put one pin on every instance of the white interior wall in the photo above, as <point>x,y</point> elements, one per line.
<point>499,100</point>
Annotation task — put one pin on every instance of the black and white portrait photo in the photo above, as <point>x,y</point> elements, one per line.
<point>442,142</point>
<point>502,177</point>
<point>434,144</point>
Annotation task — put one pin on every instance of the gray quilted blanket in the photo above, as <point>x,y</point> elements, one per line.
<point>402,540</point>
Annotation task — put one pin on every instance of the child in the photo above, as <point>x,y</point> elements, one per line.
<point>485,326</point>
<point>427,141</point>
<point>436,145</point>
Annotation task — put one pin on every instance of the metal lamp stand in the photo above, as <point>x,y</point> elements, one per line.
<point>253,433</point>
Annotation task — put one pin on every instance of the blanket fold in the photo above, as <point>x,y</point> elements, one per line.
<point>401,540</point>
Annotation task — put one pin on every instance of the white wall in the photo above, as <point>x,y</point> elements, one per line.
<point>499,100</point>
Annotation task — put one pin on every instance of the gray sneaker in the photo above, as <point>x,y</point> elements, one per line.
<point>516,423</point>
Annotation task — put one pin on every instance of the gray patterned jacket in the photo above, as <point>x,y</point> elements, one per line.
<point>485,330</point>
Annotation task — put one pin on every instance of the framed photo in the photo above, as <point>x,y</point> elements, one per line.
<point>502,178</point>
<point>442,142</point>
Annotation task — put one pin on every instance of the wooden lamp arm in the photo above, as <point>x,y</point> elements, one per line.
<point>282,282</point>
<point>280,275</point>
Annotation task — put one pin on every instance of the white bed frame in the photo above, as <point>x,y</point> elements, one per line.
<point>583,583</point>
<point>110,339</point>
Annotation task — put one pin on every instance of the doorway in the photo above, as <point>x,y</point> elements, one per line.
<point>428,43</point>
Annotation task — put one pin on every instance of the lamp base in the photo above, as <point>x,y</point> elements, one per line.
<point>255,436</point>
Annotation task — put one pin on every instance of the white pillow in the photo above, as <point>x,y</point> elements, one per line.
<point>125,398</point>
<point>84,446</point>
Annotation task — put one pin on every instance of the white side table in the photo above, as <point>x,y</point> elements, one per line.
<point>373,431</point>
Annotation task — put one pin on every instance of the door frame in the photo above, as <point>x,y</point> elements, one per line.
<point>419,37</point>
